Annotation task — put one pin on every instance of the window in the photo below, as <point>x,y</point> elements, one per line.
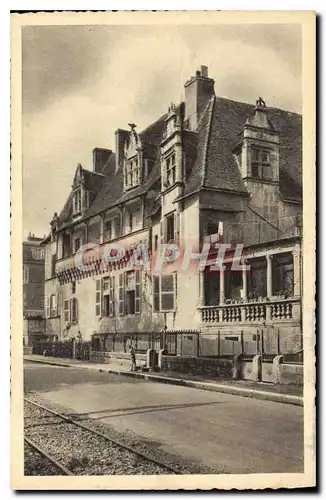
<point>130,222</point>
<point>283,278</point>
<point>170,228</point>
<point>47,307</point>
<point>53,306</point>
<point>121,294</point>
<point>106,296</point>
<point>106,305</point>
<point>37,253</point>
<point>132,174</point>
<point>257,279</point>
<point>212,288</point>
<point>73,287</point>
<point>260,164</point>
<point>108,230</point>
<point>170,170</point>
<point>129,292</point>
<point>66,244</point>
<point>74,309</point>
<point>53,261</point>
<point>26,275</point>
<point>155,241</point>
<point>117,226</point>
<point>76,245</point>
<point>77,202</point>
<point>106,285</point>
<point>98,298</point>
<point>66,311</point>
<point>164,297</point>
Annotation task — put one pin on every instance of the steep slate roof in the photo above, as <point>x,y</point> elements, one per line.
<point>218,135</point>
<point>210,157</point>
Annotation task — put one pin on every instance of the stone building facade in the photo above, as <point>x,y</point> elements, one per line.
<point>212,175</point>
<point>33,289</point>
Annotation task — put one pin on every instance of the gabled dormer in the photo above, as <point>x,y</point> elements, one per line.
<point>132,159</point>
<point>80,195</point>
<point>257,154</point>
<point>171,150</point>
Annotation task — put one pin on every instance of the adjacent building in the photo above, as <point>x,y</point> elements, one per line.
<point>209,174</point>
<point>33,289</point>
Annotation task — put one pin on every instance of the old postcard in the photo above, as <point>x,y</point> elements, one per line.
<point>163,250</point>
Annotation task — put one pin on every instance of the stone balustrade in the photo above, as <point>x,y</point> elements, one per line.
<point>252,312</point>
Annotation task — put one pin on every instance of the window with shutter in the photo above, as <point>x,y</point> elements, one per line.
<point>111,299</point>
<point>53,305</point>
<point>98,298</point>
<point>156,293</point>
<point>137,292</point>
<point>57,304</point>
<point>74,309</point>
<point>169,234</point>
<point>47,306</point>
<point>167,292</point>
<point>121,294</point>
<point>130,292</point>
<point>106,296</point>
<point>66,311</point>
<point>164,293</point>
<point>176,227</point>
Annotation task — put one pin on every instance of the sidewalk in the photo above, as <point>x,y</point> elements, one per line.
<point>257,390</point>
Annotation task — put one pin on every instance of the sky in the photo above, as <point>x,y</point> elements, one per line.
<point>81,83</point>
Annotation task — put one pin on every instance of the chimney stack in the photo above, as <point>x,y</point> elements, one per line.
<point>198,91</point>
<point>100,157</point>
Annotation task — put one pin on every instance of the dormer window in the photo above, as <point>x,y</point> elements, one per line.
<point>170,170</point>
<point>77,202</point>
<point>132,173</point>
<point>260,164</point>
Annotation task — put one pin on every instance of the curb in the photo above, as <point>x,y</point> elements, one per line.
<point>194,384</point>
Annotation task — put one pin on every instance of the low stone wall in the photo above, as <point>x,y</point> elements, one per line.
<point>210,366</point>
<point>121,358</point>
<point>117,358</point>
<point>99,357</point>
<point>291,374</point>
<point>274,371</point>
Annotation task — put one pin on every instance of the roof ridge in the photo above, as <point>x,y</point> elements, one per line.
<point>208,135</point>
<point>253,105</point>
<point>153,123</point>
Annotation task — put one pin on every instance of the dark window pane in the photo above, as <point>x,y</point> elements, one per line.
<point>167,283</point>
<point>254,170</point>
<point>156,303</point>
<point>255,155</point>
<point>156,284</point>
<point>167,301</point>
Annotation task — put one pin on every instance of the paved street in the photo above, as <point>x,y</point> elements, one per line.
<point>233,433</point>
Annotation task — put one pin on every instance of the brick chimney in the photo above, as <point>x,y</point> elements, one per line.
<point>198,91</point>
<point>100,157</point>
